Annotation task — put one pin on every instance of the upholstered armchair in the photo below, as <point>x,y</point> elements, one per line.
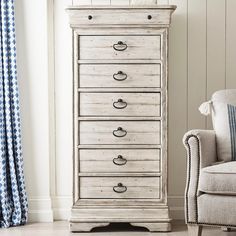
<point>210,196</point>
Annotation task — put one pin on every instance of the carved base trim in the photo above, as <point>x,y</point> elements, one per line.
<point>85,227</point>
<point>154,227</point>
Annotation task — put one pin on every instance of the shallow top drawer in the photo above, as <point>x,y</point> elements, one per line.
<point>120,47</point>
<point>119,16</point>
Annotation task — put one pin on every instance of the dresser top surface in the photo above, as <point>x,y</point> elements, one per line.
<point>108,7</point>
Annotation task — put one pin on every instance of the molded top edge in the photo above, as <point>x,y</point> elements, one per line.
<point>104,7</point>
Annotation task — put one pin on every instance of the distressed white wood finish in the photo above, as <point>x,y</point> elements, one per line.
<point>100,75</point>
<point>114,146</point>
<point>118,2</point>
<point>120,174</point>
<point>85,227</point>
<point>120,104</point>
<point>144,146</point>
<point>102,47</point>
<point>154,227</point>
<point>160,16</point>
<point>137,132</point>
<point>119,214</point>
<point>143,160</point>
<point>132,187</point>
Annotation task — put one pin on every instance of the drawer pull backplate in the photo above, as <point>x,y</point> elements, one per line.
<point>120,76</point>
<point>120,188</point>
<point>120,46</point>
<point>120,104</point>
<point>119,132</point>
<point>119,161</point>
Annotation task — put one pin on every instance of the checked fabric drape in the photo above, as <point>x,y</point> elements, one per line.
<point>13,200</point>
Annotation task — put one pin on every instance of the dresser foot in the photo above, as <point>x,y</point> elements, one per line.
<point>85,227</point>
<point>154,227</point>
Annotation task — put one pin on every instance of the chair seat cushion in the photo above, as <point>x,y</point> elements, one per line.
<point>219,179</point>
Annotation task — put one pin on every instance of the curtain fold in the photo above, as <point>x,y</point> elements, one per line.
<point>13,199</point>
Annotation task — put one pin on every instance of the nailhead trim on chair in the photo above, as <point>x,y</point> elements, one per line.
<point>188,183</point>
<point>198,174</point>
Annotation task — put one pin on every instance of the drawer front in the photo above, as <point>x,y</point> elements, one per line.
<point>120,132</point>
<point>119,47</point>
<point>122,76</point>
<point>120,187</point>
<point>119,16</point>
<point>120,104</point>
<point>119,160</point>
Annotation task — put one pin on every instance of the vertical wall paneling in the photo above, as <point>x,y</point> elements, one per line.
<point>120,2</point>
<point>82,2</point>
<point>230,44</point>
<point>164,2</point>
<point>63,98</point>
<point>32,66</point>
<point>196,61</point>
<point>51,94</point>
<point>177,84</point>
<point>101,2</point>
<point>177,95</point>
<point>215,48</point>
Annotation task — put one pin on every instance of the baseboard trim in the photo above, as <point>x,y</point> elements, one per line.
<point>61,207</point>
<point>58,208</point>
<point>176,204</point>
<point>40,210</point>
<point>177,213</point>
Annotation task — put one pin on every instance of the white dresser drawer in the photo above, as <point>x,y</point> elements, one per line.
<point>121,16</point>
<point>120,104</point>
<point>120,132</point>
<point>119,160</point>
<point>120,187</point>
<point>120,47</point>
<point>121,76</point>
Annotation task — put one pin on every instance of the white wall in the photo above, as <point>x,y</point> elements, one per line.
<point>31,25</point>
<point>202,60</point>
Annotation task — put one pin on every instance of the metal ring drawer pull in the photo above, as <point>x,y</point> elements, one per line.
<point>120,104</point>
<point>119,132</point>
<point>120,188</point>
<point>120,76</point>
<point>120,46</point>
<point>119,161</point>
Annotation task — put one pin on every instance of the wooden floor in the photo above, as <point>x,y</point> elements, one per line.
<point>60,228</point>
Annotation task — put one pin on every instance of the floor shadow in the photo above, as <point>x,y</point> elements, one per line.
<point>117,227</point>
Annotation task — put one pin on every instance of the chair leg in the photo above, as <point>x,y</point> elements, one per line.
<point>194,230</point>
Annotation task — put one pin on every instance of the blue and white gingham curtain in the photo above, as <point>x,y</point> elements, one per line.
<point>13,200</point>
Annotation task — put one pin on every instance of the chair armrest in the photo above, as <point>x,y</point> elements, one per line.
<point>201,145</point>
<point>201,152</point>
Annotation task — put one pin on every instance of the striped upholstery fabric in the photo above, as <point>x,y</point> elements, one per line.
<point>232,128</point>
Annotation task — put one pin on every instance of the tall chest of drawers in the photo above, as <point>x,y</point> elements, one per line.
<point>120,116</point>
